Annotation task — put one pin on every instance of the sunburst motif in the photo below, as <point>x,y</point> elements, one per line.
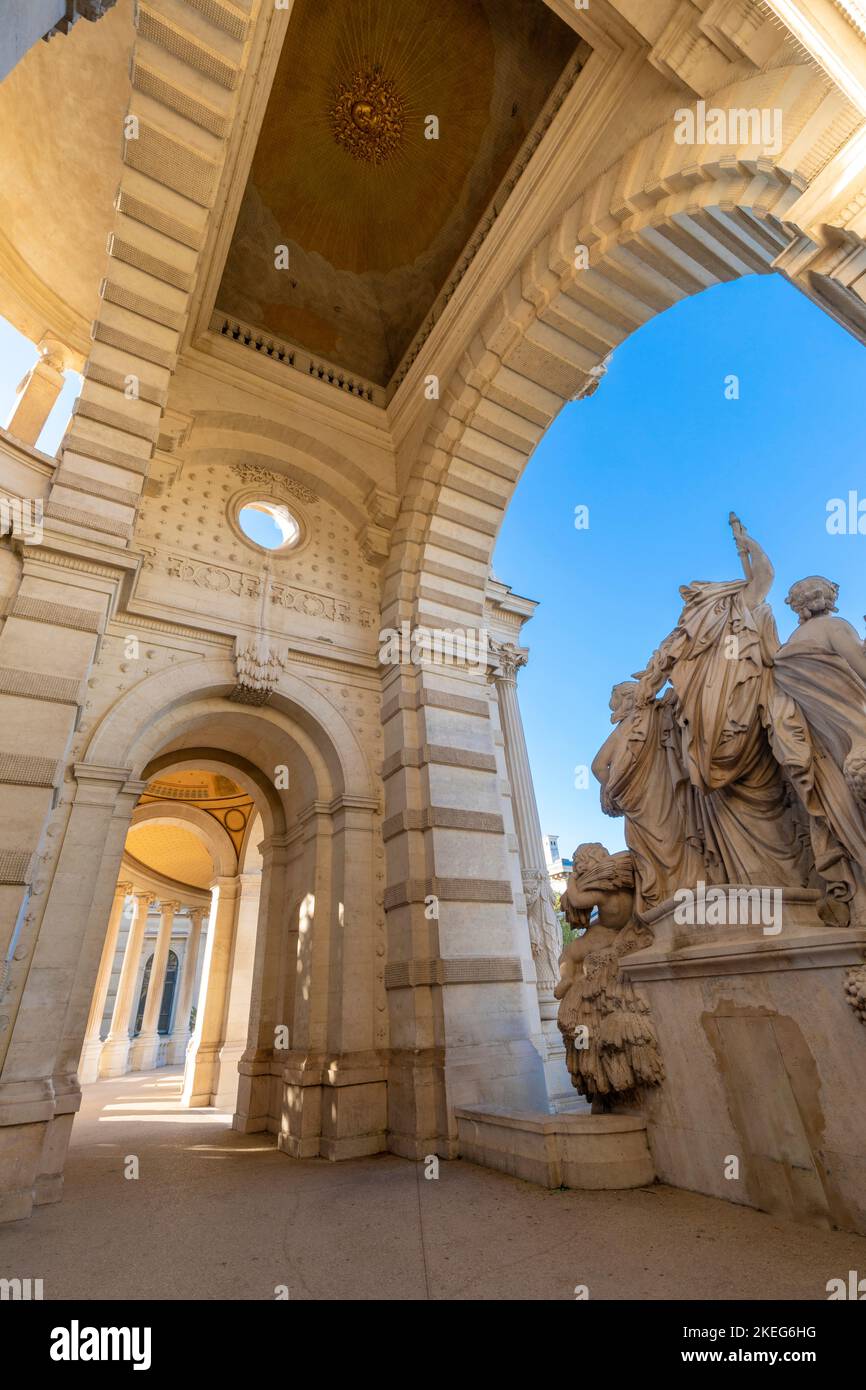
<point>368,116</point>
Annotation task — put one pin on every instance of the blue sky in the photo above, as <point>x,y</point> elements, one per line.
<point>660,457</point>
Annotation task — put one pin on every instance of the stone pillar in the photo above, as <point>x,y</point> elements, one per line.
<point>38,392</point>
<point>181,1032</point>
<point>114,1060</point>
<point>144,1051</point>
<point>88,1066</point>
<point>202,1062</point>
<point>253,1106</point>
<point>240,990</point>
<point>544,929</point>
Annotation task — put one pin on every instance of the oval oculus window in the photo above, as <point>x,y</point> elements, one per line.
<point>269,525</point>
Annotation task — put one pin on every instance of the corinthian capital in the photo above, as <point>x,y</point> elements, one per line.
<point>508,660</point>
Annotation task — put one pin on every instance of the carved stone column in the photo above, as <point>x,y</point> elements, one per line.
<point>545,933</point>
<point>88,1067</point>
<point>38,392</point>
<point>114,1060</point>
<point>181,1032</point>
<point>544,930</point>
<point>144,1052</point>
<point>202,1059</point>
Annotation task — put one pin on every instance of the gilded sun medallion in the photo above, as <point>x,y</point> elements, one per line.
<point>368,116</point>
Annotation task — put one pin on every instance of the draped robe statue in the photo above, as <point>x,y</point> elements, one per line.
<point>643,777</point>
<point>752,768</point>
<point>718,661</point>
<point>817,728</point>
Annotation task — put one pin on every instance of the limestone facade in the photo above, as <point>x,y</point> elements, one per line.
<point>386,968</point>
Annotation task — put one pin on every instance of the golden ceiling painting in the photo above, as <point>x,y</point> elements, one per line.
<point>374,214</point>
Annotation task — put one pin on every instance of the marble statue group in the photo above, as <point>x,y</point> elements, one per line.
<point>734,759</point>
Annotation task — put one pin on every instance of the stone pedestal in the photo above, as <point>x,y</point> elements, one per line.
<point>765,1062</point>
<point>583,1151</point>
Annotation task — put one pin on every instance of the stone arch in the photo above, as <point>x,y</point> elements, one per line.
<point>317,843</point>
<point>232,437</point>
<point>662,221</point>
<point>165,705</point>
<point>190,817</point>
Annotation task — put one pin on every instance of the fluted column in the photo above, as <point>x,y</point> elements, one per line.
<point>38,392</point>
<point>544,929</point>
<point>144,1052</point>
<point>181,1032</point>
<point>202,1061</point>
<point>88,1066</point>
<point>114,1060</point>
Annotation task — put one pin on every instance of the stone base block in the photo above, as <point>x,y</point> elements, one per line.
<point>20,1152</point>
<point>765,1060</point>
<point>88,1066</point>
<point>582,1151</point>
<point>114,1058</point>
<point>144,1052</point>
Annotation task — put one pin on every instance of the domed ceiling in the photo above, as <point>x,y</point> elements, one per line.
<point>375,214</point>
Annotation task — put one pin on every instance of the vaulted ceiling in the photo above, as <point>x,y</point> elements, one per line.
<point>374,214</point>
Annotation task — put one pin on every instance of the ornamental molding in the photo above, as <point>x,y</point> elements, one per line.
<point>314,605</point>
<point>253,475</point>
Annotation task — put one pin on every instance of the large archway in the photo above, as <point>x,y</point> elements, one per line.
<point>660,222</point>
<point>287,1004</point>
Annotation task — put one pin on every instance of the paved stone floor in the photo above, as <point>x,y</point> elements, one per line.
<point>217,1215</point>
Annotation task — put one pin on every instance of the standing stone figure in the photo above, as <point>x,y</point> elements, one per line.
<point>610,1043</point>
<point>817,728</point>
<point>643,777</point>
<point>718,660</point>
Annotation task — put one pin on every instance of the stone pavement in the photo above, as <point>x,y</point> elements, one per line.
<point>219,1215</point>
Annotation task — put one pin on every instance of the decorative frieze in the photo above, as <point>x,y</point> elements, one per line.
<point>314,605</point>
<point>253,475</point>
<point>218,579</point>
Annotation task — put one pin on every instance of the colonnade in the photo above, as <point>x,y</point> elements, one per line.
<point>122,1049</point>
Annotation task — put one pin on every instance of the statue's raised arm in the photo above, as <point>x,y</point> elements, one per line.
<point>756,564</point>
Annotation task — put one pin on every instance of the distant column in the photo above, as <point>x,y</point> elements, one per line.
<point>544,929</point>
<point>144,1052</point>
<point>181,1033</point>
<point>88,1066</point>
<point>202,1061</point>
<point>38,392</point>
<point>114,1060</point>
